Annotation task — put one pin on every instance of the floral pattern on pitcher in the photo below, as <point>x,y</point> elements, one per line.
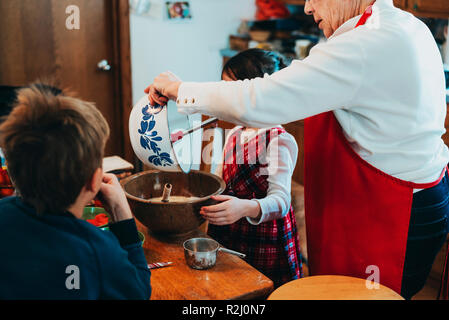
<point>149,138</point>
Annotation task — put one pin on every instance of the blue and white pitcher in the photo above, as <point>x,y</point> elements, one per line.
<point>150,132</point>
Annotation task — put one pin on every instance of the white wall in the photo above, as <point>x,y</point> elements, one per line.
<point>190,49</point>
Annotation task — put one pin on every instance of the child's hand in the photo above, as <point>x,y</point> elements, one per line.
<point>114,198</point>
<point>230,210</point>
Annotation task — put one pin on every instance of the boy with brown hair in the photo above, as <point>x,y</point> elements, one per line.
<point>54,146</point>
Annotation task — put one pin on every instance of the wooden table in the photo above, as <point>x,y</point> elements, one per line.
<point>230,278</point>
<point>332,288</point>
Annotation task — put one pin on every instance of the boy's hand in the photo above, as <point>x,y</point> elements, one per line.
<point>114,198</point>
<point>230,210</point>
<point>164,87</point>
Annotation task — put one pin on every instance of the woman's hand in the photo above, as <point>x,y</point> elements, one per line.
<point>164,87</point>
<point>230,210</point>
<point>114,199</point>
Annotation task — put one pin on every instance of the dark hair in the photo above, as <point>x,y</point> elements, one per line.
<point>253,63</point>
<point>53,143</point>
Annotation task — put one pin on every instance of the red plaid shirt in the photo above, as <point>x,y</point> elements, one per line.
<point>271,247</point>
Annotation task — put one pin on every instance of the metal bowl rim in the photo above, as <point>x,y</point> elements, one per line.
<point>220,190</point>
<point>201,239</point>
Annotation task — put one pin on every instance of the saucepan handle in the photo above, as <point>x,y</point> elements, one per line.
<point>238,254</point>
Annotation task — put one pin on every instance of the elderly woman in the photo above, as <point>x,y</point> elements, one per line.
<point>373,97</point>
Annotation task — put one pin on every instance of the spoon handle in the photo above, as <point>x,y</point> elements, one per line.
<point>166,193</point>
<point>241,255</point>
<point>201,125</point>
<point>180,134</point>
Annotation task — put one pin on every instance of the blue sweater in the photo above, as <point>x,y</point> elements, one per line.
<point>43,257</point>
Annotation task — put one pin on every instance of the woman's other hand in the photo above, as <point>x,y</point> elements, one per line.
<point>164,87</point>
<point>114,199</point>
<point>230,210</point>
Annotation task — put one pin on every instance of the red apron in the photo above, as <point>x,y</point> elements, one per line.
<point>357,216</point>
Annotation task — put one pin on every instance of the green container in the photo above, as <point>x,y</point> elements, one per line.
<point>92,212</point>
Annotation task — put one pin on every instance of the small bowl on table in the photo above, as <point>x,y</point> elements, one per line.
<point>6,187</point>
<point>6,191</point>
<point>90,213</point>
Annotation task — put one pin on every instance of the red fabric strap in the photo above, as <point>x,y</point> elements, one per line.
<point>368,12</point>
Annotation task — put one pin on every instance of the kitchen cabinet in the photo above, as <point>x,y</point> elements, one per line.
<point>437,7</point>
<point>421,8</point>
<point>295,2</point>
<point>425,8</point>
<point>400,3</point>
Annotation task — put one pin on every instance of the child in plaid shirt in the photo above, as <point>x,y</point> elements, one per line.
<point>254,215</point>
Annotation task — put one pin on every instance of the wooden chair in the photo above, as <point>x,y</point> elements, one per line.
<point>332,288</point>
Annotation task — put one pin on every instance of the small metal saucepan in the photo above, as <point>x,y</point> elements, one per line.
<point>201,253</point>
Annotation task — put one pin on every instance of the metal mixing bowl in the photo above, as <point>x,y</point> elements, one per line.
<point>169,219</point>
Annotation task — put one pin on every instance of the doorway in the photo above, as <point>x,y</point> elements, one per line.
<point>41,41</point>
